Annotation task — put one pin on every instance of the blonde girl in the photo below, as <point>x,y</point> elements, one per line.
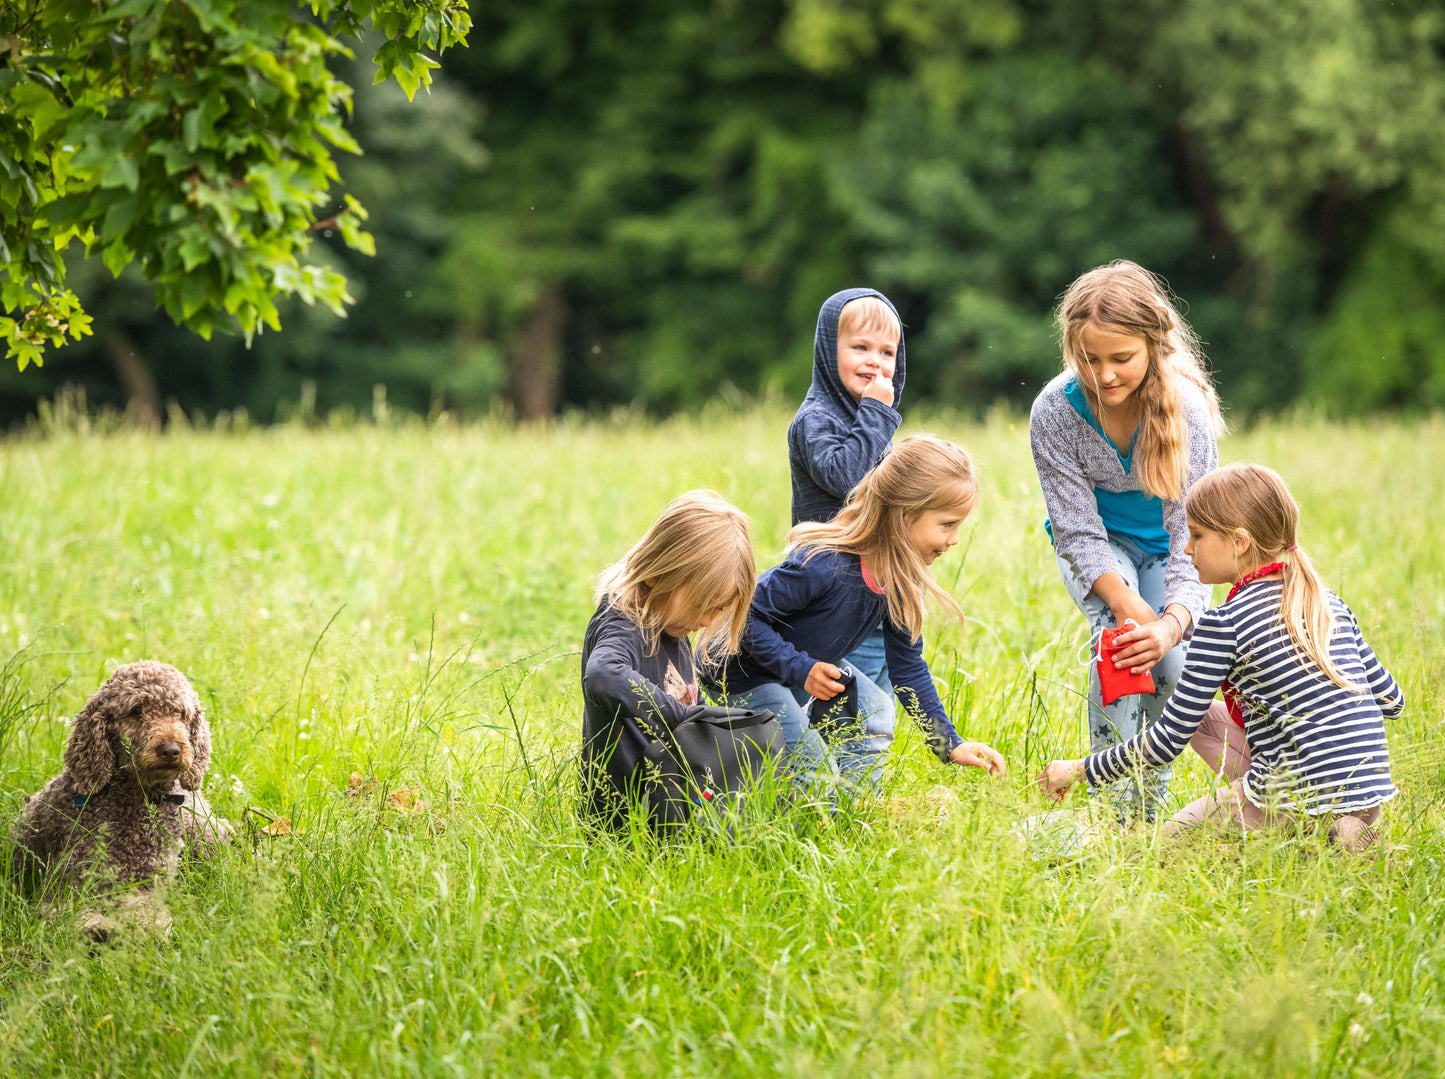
<point>1301,729</point>
<point>840,579</point>
<point>1119,437</point>
<point>693,570</point>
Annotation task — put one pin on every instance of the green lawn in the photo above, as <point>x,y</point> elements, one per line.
<point>408,604</point>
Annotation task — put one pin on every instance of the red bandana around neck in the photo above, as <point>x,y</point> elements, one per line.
<point>1231,695</point>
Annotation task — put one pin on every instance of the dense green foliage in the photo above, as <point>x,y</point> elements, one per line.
<point>608,202</point>
<point>419,623</point>
<point>193,139</point>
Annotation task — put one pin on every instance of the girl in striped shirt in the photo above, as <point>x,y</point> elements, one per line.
<point>1301,729</point>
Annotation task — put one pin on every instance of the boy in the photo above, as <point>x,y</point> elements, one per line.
<point>846,423</point>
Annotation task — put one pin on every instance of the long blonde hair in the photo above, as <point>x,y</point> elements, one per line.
<point>1126,298</point>
<point>1252,503</point>
<point>699,548</point>
<point>920,474</point>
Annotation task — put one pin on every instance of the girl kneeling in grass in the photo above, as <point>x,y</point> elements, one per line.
<point>837,581</point>
<point>1296,673</point>
<point>693,570</point>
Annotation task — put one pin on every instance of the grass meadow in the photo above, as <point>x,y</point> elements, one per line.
<point>407,603</point>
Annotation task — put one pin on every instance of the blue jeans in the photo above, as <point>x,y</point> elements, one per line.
<point>1127,716</point>
<point>855,751</point>
<point>870,658</point>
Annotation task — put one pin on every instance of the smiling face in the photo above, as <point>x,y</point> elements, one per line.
<point>1113,364</point>
<point>933,532</point>
<point>1216,556</point>
<point>864,354</point>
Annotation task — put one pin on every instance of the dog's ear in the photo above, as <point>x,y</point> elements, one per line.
<point>200,750</point>
<point>88,756</point>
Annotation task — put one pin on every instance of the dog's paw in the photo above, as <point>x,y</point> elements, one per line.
<point>135,912</point>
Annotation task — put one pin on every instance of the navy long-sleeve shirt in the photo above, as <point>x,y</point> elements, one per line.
<point>834,440</point>
<point>819,609</point>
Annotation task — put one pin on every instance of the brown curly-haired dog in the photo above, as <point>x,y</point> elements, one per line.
<point>129,799</point>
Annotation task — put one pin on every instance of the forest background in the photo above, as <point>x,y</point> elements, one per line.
<point>617,202</point>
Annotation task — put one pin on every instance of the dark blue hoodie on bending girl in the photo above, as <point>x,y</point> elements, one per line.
<point>834,440</point>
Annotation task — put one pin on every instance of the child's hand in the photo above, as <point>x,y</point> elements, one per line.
<point>1058,777</point>
<point>1142,646</point>
<point>824,681</point>
<point>880,389</point>
<point>979,755</point>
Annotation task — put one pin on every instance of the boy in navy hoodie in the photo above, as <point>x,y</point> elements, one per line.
<point>846,422</point>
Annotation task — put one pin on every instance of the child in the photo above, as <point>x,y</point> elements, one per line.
<point>1118,439</point>
<point>846,422</point>
<point>837,581</point>
<point>1297,676</point>
<point>693,569</point>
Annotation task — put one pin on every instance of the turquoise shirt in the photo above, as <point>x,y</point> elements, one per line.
<point>1133,514</point>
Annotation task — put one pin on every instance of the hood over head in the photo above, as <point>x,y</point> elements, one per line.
<point>826,383</point>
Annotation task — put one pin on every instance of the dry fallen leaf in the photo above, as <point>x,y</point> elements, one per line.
<point>407,800</point>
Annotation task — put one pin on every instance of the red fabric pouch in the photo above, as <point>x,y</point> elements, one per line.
<point>1116,682</point>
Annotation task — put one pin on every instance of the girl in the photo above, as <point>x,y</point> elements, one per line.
<point>1118,438</point>
<point>837,581</point>
<point>694,569</point>
<point>1296,674</point>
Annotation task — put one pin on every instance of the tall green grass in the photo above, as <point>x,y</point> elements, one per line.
<point>407,603</point>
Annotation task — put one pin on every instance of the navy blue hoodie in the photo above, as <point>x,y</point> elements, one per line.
<point>834,440</point>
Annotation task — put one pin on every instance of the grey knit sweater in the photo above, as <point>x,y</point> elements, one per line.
<point>1074,459</point>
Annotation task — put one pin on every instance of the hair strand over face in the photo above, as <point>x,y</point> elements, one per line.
<point>919,475</point>
<point>699,548</point>
<point>1125,298</point>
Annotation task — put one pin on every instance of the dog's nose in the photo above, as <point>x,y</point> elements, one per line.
<point>170,752</point>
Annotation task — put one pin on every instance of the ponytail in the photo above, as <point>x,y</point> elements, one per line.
<point>1305,611</point>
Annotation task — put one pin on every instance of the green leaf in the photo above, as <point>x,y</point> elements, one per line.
<point>120,217</point>
<point>116,256</point>
<point>194,251</point>
<point>191,128</point>
<point>121,171</point>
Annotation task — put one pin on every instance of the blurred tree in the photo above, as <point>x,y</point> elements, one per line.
<point>656,227</point>
<point>672,191</point>
<point>1313,136</point>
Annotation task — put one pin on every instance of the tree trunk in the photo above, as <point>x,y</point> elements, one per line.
<point>140,385</point>
<point>534,362</point>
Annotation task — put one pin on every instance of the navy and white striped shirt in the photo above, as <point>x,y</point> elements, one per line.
<point>1315,747</point>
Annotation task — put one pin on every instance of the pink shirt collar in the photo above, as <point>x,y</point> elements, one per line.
<point>868,579</point>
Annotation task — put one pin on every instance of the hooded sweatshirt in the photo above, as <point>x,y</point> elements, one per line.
<point>834,440</point>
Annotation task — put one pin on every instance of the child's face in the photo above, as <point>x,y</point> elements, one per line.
<point>1114,363</point>
<point>865,356</point>
<point>684,614</point>
<point>1215,555</point>
<point>933,532</point>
